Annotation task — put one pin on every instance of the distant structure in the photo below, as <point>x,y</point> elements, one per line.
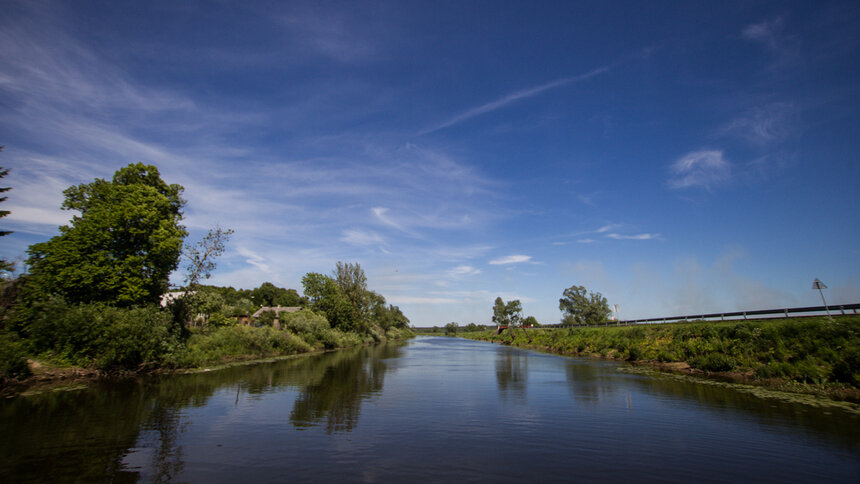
<point>277,310</point>
<point>169,297</point>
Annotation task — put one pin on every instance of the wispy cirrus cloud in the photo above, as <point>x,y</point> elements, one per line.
<point>768,32</point>
<point>762,125</point>
<point>362,237</point>
<point>511,259</point>
<point>516,96</point>
<point>633,237</point>
<point>607,228</point>
<point>254,259</point>
<point>706,169</point>
<point>464,270</point>
<point>380,214</point>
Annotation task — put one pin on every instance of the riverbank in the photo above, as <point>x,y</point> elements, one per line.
<point>801,355</point>
<point>204,351</point>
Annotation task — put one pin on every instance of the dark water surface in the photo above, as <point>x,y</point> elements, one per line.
<point>432,409</point>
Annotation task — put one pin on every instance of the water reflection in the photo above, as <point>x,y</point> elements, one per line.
<point>340,381</point>
<point>825,425</point>
<point>590,382</point>
<point>86,435</point>
<point>512,369</point>
<point>300,418</point>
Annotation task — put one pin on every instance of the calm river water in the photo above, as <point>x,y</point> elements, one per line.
<point>432,409</point>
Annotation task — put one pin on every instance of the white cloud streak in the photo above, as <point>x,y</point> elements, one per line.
<point>762,125</point>
<point>767,32</point>
<point>362,237</point>
<point>516,96</point>
<point>700,169</point>
<point>461,271</point>
<point>633,237</point>
<point>511,259</point>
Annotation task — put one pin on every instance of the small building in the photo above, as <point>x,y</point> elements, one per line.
<point>169,297</point>
<point>277,310</point>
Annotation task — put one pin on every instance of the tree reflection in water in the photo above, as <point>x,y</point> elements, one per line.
<point>91,435</point>
<point>342,380</point>
<point>512,369</point>
<point>590,383</point>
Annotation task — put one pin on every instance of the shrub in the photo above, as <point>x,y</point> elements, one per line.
<point>305,322</point>
<point>713,362</point>
<point>847,370</point>
<point>239,341</point>
<point>13,360</point>
<point>219,320</point>
<point>133,338</point>
<point>99,335</point>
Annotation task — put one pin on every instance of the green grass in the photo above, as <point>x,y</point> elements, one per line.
<point>809,351</point>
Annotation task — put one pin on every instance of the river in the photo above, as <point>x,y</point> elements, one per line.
<point>428,410</point>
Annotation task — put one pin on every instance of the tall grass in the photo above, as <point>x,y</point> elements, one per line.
<point>807,350</point>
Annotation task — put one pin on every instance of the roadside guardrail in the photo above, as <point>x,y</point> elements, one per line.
<point>835,309</point>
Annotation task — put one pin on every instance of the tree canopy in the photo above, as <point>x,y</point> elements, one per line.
<point>347,302</point>
<point>270,295</point>
<point>507,314</point>
<point>123,245</point>
<point>580,307</point>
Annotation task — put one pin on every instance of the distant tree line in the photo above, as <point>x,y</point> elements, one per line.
<point>578,306</point>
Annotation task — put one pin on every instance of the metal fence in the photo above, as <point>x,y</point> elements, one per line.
<point>836,309</point>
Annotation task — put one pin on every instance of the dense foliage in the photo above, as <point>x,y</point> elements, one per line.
<point>805,350</point>
<point>580,307</point>
<point>349,305</point>
<point>92,297</point>
<point>121,248</point>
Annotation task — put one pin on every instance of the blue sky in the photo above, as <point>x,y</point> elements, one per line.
<point>678,157</point>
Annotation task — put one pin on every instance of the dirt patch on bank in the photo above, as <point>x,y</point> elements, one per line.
<point>45,377</point>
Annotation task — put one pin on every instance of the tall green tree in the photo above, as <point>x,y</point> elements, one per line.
<point>324,295</point>
<point>353,284</point>
<point>507,313</point>
<point>500,313</point>
<point>581,307</point>
<point>121,247</point>
<point>514,310</point>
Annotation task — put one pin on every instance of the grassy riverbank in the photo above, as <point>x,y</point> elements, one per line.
<point>213,348</point>
<point>806,355</point>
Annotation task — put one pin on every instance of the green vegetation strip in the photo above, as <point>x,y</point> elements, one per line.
<point>803,355</point>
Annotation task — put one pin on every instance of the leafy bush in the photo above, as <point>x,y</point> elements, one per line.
<point>305,322</point>
<point>713,362</point>
<point>399,333</point>
<point>847,370</point>
<point>234,342</point>
<point>132,338</point>
<point>13,360</point>
<point>219,320</point>
<point>98,335</point>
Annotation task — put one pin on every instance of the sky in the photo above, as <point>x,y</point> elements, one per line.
<point>677,157</point>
